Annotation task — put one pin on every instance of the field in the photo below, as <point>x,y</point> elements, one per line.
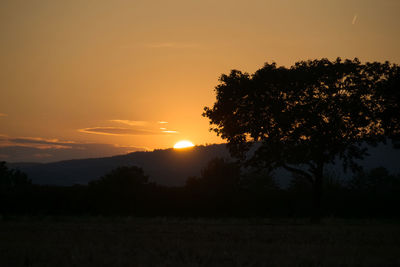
<point>197,242</point>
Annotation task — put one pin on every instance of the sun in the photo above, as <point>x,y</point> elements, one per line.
<point>183,144</point>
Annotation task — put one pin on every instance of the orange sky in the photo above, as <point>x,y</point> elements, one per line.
<point>107,72</point>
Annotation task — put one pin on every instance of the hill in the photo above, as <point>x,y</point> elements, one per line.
<point>167,167</point>
<point>172,167</point>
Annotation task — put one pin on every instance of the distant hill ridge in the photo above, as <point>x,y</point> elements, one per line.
<point>169,166</point>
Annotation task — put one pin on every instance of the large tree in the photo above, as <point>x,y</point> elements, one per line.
<point>306,116</point>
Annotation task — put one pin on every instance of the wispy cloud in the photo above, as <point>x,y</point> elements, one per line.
<point>131,123</point>
<point>39,140</point>
<point>34,142</point>
<point>3,115</point>
<point>135,128</point>
<point>18,149</point>
<point>42,155</point>
<point>354,19</point>
<point>117,131</point>
<point>134,148</point>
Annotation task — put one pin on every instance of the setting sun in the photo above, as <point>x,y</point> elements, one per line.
<point>183,144</point>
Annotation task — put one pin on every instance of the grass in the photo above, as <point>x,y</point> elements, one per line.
<point>197,242</point>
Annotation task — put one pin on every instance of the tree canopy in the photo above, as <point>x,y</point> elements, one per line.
<point>308,114</point>
<point>124,178</point>
<point>12,179</point>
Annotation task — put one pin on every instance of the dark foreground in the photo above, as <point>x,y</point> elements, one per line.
<point>197,242</point>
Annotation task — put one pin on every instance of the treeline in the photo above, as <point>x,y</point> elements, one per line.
<point>221,190</point>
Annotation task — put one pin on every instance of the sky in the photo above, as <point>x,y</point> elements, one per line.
<point>94,78</point>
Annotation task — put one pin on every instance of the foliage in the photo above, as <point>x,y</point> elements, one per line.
<point>259,182</point>
<point>309,113</point>
<point>221,174</point>
<point>218,184</point>
<point>14,187</point>
<point>376,181</point>
<point>306,116</point>
<point>12,179</point>
<point>124,178</point>
<point>121,190</point>
<point>221,190</point>
<point>218,174</point>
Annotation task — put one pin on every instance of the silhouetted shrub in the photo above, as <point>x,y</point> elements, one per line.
<point>119,191</point>
<point>15,188</point>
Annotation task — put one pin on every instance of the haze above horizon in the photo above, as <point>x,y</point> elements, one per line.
<point>98,78</point>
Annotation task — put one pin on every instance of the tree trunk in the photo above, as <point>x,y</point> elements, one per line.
<point>317,193</point>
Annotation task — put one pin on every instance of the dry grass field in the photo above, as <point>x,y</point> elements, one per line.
<point>197,242</point>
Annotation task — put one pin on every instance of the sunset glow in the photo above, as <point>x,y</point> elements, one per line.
<point>122,76</point>
<point>183,144</point>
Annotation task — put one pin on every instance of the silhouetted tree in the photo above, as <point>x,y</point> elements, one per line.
<point>390,92</point>
<point>120,190</point>
<point>12,179</point>
<point>258,183</point>
<point>14,186</point>
<point>122,178</point>
<point>306,116</point>
<point>375,192</point>
<point>217,186</point>
<point>219,176</point>
<point>375,181</point>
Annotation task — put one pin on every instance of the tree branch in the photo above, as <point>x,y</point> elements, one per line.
<point>299,171</point>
